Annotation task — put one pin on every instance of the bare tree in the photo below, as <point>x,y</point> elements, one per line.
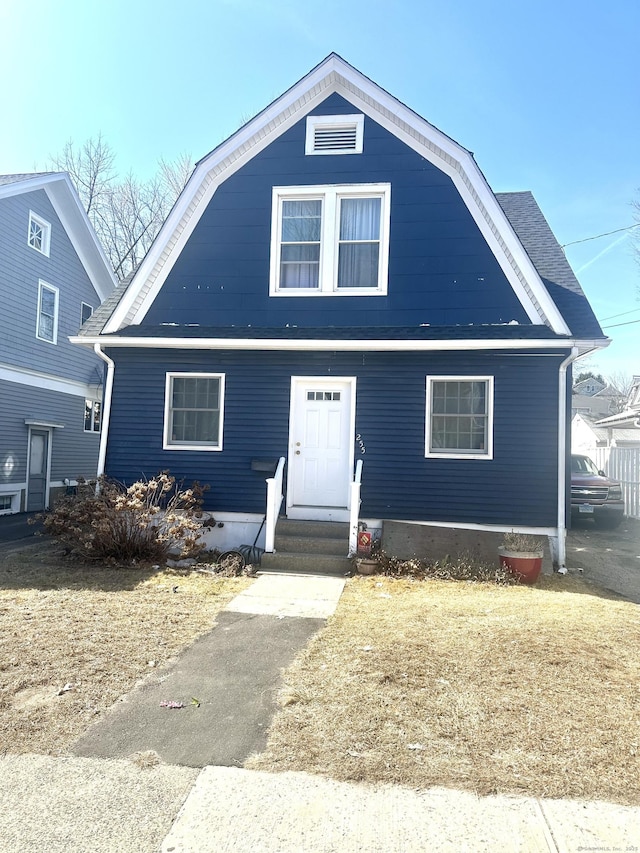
<point>621,383</point>
<point>126,213</point>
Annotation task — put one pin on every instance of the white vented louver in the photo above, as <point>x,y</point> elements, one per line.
<point>334,134</point>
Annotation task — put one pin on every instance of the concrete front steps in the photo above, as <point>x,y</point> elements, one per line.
<point>309,547</point>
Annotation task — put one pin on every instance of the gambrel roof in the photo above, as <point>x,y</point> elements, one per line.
<point>511,223</point>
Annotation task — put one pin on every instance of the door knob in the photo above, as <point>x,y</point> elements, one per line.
<point>297,453</point>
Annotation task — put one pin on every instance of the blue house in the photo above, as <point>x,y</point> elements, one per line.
<point>339,304</point>
<point>53,275</point>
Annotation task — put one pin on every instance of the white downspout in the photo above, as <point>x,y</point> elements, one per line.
<point>106,408</point>
<point>559,552</point>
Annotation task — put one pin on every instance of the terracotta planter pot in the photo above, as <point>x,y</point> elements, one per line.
<point>526,566</point>
<point>366,566</point>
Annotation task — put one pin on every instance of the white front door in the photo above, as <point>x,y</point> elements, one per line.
<point>321,432</point>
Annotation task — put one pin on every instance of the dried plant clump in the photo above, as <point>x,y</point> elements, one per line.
<point>522,543</point>
<point>461,568</point>
<point>144,522</point>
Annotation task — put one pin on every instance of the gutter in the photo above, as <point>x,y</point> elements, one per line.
<point>560,555</point>
<point>339,345</point>
<point>106,408</point>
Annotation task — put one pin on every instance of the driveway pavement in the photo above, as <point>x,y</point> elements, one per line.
<point>608,558</point>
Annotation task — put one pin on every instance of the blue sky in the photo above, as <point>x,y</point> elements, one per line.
<point>545,94</point>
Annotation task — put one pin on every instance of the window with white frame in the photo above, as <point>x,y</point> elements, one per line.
<point>330,240</point>
<point>194,408</point>
<point>342,134</point>
<point>459,417</point>
<point>86,311</point>
<point>39,235</point>
<point>92,414</point>
<point>47,322</point>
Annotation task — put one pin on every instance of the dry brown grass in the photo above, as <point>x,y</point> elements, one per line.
<point>491,689</point>
<point>98,629</point>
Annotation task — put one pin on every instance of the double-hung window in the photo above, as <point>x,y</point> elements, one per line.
<point>47,321</point>
<point>194,407</point>
<point>459,417</point>
<point>330,240</point>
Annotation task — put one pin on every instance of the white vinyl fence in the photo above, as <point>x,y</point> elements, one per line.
<point>623,464</point>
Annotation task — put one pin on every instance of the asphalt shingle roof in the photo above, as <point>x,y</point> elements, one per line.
<point>16,179</point>
<point>540,243</point>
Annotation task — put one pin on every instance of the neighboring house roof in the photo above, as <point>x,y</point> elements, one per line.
<point>95,323</point>
<point>66,202</point>
<point>588,386</point>
<point>594,405</point>
<point>511,223</point>
<point>603,433</point>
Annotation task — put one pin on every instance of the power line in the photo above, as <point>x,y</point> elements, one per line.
<point>597,236</point>
<point>615,325</point>
<point>623,314</point>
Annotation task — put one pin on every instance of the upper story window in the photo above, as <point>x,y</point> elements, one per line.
<point>85,312</point>
<point>334,134</point>
<point>194,408</point>
<point>459,417</point>
<point>39,237</point>
<point>330,240</point>
<point>47,322</point>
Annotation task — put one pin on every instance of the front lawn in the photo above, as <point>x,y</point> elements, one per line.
<point>532,691</point>
<point>92,630</point>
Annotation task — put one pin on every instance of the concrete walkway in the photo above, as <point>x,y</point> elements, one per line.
<point>227,680</point>
<point>100,804</point>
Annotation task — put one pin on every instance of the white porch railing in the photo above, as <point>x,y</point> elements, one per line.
<point>274,502</point>
<point>354,512</point>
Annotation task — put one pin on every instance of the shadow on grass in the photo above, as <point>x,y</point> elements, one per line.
<point>43,565</point>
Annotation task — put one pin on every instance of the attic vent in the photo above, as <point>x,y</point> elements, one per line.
<point>334,134</point>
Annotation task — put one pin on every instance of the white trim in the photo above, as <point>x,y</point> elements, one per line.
<point>335,75</point>
<point>46,233</point>
<point>334,123</point>
<point>560,550</point>
<point>44,285</point>
<point>167,443</point>
<point>39,424</point>
<point>489,528</point>
<point>320,513</point>
<point>331,197</point>
<point>23,376</point>
<point>452,454</point>
<point>350,345</point>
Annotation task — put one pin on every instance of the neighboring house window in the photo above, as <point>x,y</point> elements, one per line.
<point>334,134</point>
<point>92,415</point>
<point>330,241</point>
<point>6,502</point>
<point>194,407</point>
<point>39,234</point>
<point>47,323</point>
<point>460,417</point>
<point>85,312</point>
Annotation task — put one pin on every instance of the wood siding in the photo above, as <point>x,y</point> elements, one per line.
<point>441,271</point>
<point>519,486</point>
<point>74,452</point>
<point>21,267</point>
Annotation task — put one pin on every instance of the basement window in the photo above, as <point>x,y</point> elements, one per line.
<point>334,134</point>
